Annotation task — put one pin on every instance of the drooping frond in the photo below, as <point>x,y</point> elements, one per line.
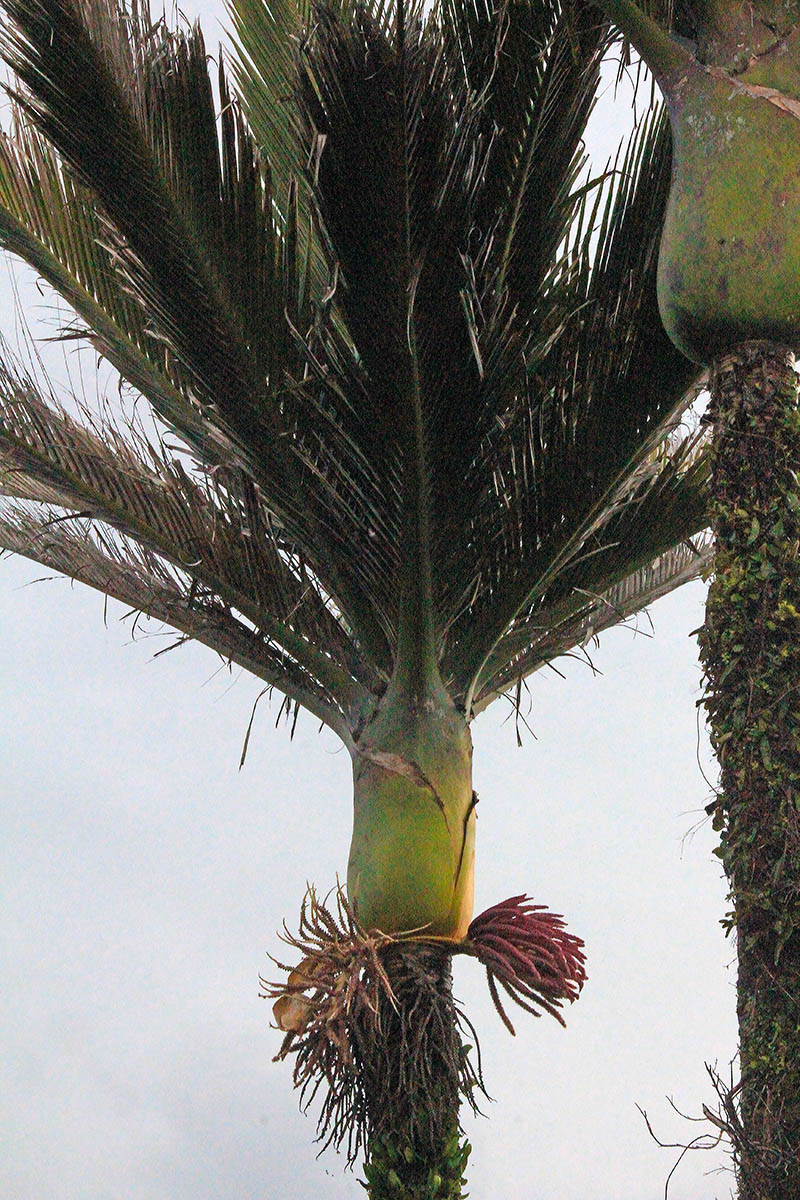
<point>569,628</point>
<point>217,534</point>
<point>130,108</point>
<point>125,572</point>
<point>195,243</point>
<point>51,221</point>
<point>653,542</point>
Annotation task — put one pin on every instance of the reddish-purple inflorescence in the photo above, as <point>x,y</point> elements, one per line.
<point>527,950</point>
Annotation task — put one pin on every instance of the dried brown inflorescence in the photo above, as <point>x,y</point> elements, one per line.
<point>372,1015</point>
<point>336,991</point>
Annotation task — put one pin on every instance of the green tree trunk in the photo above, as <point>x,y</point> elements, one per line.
<point>750,649</point>
<point>412,854</point>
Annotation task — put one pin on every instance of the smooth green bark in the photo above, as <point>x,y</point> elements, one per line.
<point>412,854</point>
<point>729,262</point>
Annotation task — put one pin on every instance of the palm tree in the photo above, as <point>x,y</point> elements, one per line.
<point>728,285</point>
<point>414,435</point>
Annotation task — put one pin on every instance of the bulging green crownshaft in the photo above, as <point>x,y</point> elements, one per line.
<point>413,848</point>
<point>729,264</point>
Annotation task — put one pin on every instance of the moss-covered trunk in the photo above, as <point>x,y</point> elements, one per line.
<point>728,289</point>
<point>751,655</point>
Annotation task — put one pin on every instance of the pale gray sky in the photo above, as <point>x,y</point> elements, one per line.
<point>144,878</point>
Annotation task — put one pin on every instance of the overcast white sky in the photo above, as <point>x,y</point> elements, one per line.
<point>144,878</point>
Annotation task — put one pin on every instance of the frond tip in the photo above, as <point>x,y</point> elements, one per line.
<point>527,950</point>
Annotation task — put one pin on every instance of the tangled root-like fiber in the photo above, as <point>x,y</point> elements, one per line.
<point>372,1015</point>
<point>415,1069</point>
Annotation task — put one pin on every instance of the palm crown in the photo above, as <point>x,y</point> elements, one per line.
<point>414,359</point>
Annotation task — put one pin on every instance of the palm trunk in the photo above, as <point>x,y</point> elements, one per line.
<point>750,649</point>
<point>412,1078</point>
<point>412,855</point>
<point>412,868</point>
<point>369,1009</point>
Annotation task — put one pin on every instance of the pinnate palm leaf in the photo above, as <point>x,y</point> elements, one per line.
<point>218,535</point>
<point>414,343</point>
<point>146,584</point>
<point>53,223</point>
<point>654,541</point>
<point>582,417</point>
<point>192,227</point>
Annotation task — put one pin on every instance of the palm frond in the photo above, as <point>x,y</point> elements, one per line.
<point>582,419</point>
<point>411,341</point>
<point>219,534</point>
<point>191,227</point>
<point>48,219</point>
<point>396,169</point>
<point>555,638</point>
<point>266,43</point>
<point>536,68</point>
<point>406,155</point>
<point>146,584</point>
<point>656,540</point>
<point>130,107</point>
<point>267,38</point>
